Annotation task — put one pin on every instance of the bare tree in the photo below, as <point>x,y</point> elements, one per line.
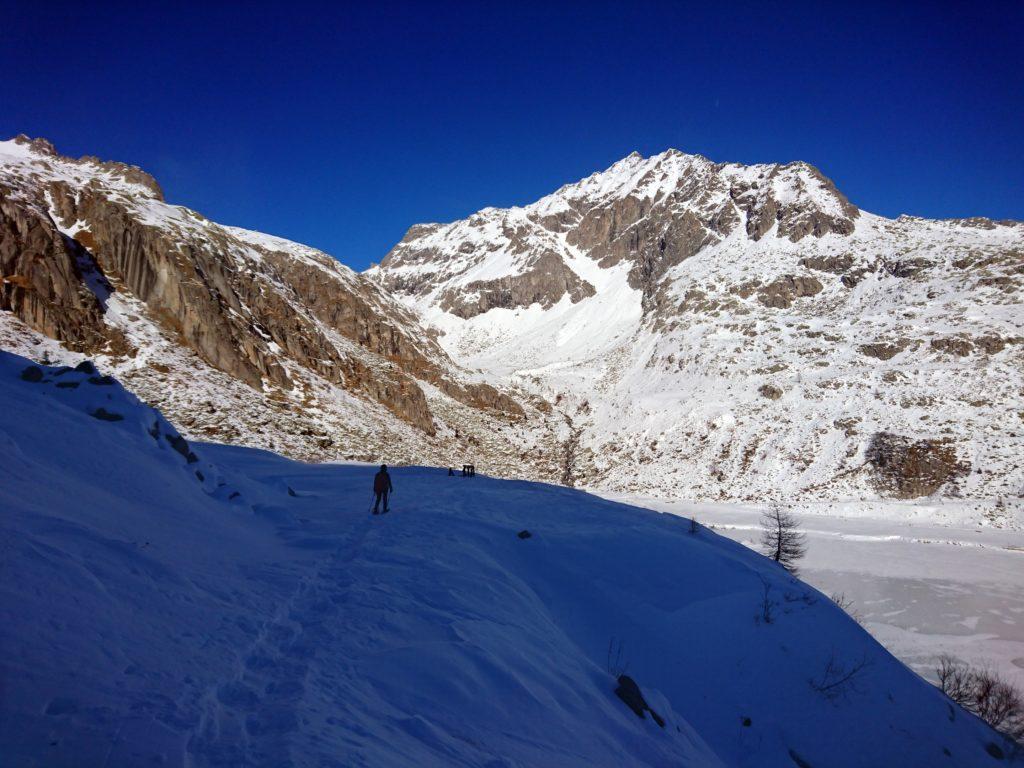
<point>781,540</point>
<point>984,693</point>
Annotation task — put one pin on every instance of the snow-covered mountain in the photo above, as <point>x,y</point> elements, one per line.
<point>205,605</point>
<point>671,326</point>
<point>714,330</point>
<point>237,335</point>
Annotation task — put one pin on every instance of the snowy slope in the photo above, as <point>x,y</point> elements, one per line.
<point>724,331</point>
<point>241,608</point>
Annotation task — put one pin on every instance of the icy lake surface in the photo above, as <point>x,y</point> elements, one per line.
<point>922,589</point>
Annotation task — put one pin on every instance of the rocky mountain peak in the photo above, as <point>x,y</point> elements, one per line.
<point>40,151</point>
<point>40,146</point>
<point>647,214</point>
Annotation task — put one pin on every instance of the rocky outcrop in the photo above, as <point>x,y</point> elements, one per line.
<point>545,283</point>
<point>780,293</point>
<point>484,396</point>
<point>884,350</point>
<point>796,215</point>
<point>906,468</point>
<point>952,346</point>
<point>907,267</point>
<point>836,263</point>
<point>41,279</point>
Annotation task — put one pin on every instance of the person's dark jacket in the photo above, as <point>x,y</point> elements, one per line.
<point>382,482</point>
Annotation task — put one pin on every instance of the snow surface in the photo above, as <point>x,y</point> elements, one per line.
<point>923,589</point>
<point>247,610</point>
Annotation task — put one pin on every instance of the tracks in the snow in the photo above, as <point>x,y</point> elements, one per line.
<point>251,716</point>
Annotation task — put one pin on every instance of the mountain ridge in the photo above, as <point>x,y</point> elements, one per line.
<point>670,325</point>
<point>92,256</point>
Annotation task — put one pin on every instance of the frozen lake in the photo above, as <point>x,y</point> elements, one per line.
<point>922,589</point>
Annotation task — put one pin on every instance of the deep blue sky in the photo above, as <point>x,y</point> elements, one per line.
<point>341,125</point>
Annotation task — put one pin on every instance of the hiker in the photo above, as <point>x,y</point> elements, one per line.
<point>381,488</point>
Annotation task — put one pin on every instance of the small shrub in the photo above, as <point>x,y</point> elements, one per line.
<point>839,678</point>
<point>766,614</point>
<point>984,693</point>
<point>840,599</point>
<point>615,665</point>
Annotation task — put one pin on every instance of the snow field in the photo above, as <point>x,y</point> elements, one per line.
<point>150,614</point>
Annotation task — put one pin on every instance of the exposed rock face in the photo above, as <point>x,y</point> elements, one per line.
<point>908,469</point>
<point>780,293</point>
<point>883,350</point>
<point>958,347</point>
<point>544,283</point>
<point>80,236</point>
<point>834,263</point>
<point>760,200</point>
<point>40,278</point>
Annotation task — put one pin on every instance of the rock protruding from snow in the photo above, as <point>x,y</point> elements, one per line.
<point>630,694</point>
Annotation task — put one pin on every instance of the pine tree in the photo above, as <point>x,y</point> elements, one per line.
<point>781,540</point>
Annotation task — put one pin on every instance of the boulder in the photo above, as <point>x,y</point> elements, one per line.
<point>780,293</point>
<point>630,694</point>
<point>883,350</point>
<point>952,346</point>
<point>32,373</point>
<point>104,415</point>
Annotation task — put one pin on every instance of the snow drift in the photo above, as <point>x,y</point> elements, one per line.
<point>206,605</point>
